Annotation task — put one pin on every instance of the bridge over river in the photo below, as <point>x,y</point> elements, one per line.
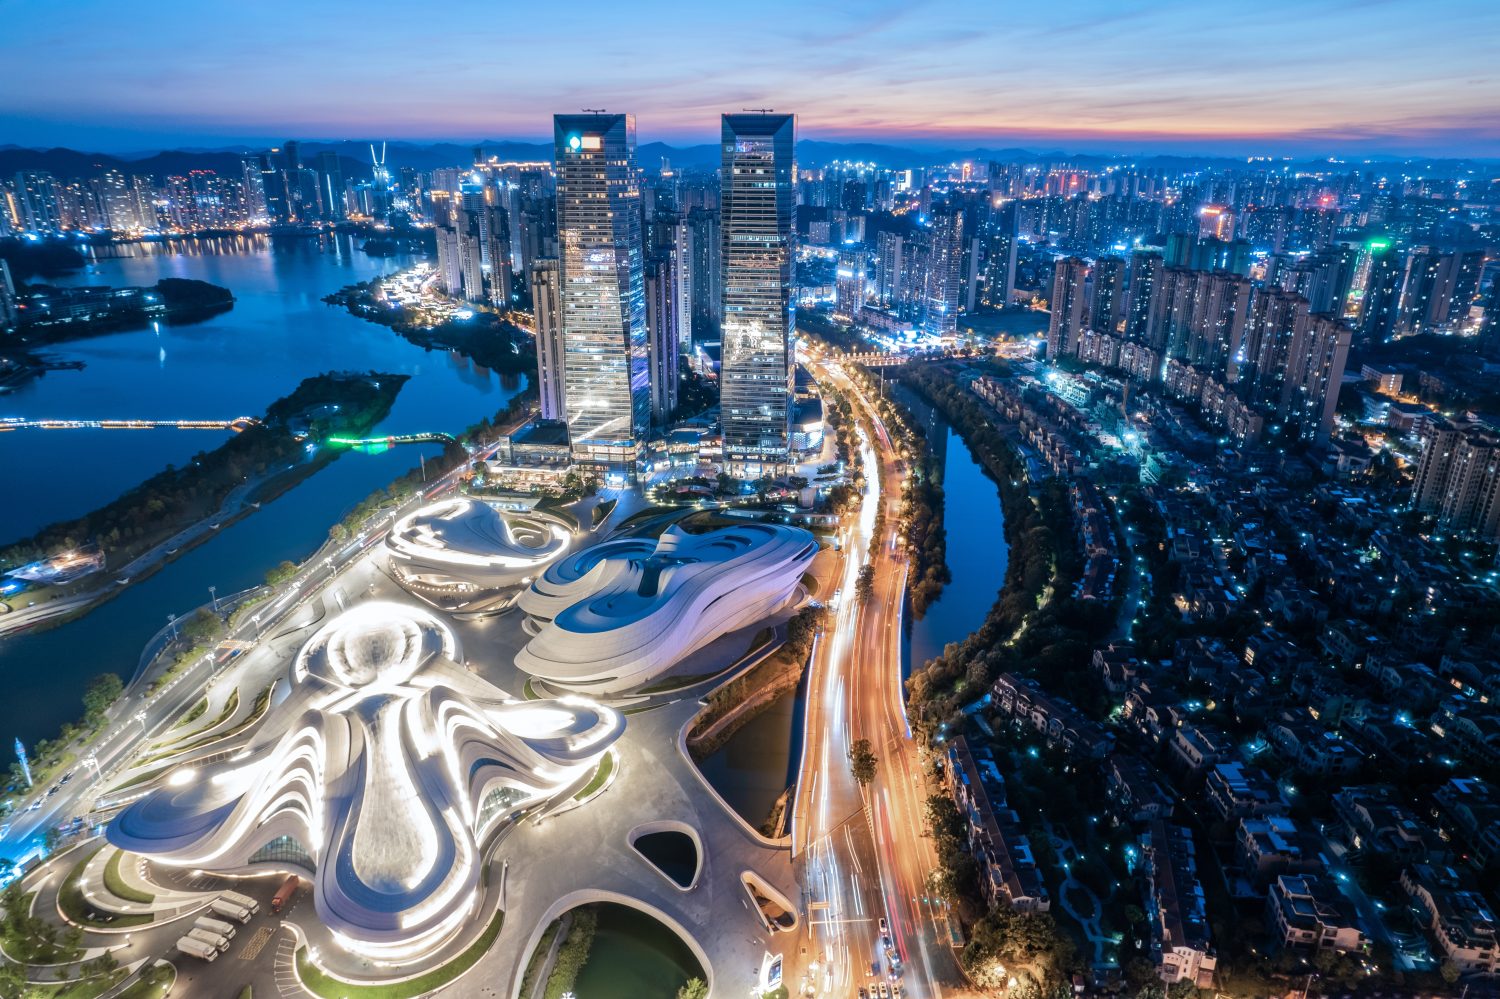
<point>236,424</point>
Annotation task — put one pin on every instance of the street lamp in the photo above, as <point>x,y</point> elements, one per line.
<point>213,592</point>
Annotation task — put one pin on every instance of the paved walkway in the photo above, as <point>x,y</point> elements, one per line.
<point>656,785</point>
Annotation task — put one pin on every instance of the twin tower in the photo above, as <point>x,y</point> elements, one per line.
<point>602,357</point>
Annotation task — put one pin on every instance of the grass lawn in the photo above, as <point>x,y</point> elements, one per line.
<point>528,980</point>
<point>155,984</point>
<point>139,778</point>
<point>606,767</point>
<point>679,682</point>
<point>557,508</point>
<point>194,714</point>
<point>29,948</point>
<point>117,886</point>
<point>77,908</point>
<point>180,745</point>
<point>89,988</point>
<point>316,981</point>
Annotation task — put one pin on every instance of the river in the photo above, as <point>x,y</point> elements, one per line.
<point>977,553</point>
<point>278,333</point>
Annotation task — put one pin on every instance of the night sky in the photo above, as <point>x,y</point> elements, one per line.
<point>1258,76</point>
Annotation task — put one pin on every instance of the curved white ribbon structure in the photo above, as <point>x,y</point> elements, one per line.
<point>615,616</point>
<point>461,546</point>
<point>381,777</point>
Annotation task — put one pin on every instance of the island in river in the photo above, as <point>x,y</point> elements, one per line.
<point>50,315</point>
<point>483,335</point>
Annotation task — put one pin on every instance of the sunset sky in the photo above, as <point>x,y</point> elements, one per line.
<point>1260,76</point>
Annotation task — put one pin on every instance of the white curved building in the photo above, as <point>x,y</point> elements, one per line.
<point>382,777</point>
<point>615,616</point>
<point>455,548</point>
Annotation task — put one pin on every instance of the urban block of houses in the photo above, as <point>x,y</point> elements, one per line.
<point>1009,874</point>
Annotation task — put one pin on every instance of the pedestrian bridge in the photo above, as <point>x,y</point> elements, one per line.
<point>237,424</point>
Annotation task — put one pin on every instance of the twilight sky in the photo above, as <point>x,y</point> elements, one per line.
<point>1272,76</point>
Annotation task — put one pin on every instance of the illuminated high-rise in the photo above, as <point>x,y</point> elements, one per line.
<point>757,221</point>
<point>1069,280</point>
<point>606,381</point>
<point>546,308</point>
<point>940,305</point>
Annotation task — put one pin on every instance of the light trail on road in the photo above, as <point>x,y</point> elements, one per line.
<point>863,852</point>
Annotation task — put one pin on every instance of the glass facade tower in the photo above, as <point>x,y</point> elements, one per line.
<point>757,202</point>
<point>606,378</point>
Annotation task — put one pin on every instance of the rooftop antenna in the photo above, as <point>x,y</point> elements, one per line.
<point>592,110</point>
<point>758,110</point>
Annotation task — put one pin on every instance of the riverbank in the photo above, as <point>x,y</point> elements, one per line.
<point>176,509</point>
<point>1035,531</point>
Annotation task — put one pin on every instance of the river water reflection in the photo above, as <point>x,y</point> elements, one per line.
<point>278,333</point>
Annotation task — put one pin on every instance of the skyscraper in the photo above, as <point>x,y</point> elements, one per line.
<point>331,186</point>
<point>1066,325</point>
<point>661,323</point>
<point>546,308</point>
<point>888,269</point>
<point>273,186</point>
<point>1107,306</point>
<point>757,206</point>
<point>8,313</point>
<point>849,289</point>
<point>606,378</point>
<point>706,273</point>
<point>1458,479</point>
<point>1000,258</point>
<point>1380,301</point>
<point>944,273</point>
<point>36,193</point>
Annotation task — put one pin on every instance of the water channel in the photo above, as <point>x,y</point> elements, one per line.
<point>278,333</point>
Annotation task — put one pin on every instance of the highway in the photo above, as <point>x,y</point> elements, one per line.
<point>862,854</point>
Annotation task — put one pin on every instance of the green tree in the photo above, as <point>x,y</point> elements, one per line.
<point>203,626</point>
<point>99,695</point>
<point>1449,971</point>
<point>696,988</point>
<point>862,760</point>
<point>280,573</point>
<point>864,584</point>
<point>99,966</point>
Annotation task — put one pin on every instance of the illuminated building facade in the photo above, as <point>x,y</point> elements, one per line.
<point>455,548</point>
<point>606,379</point>
<point>757,221</point>
<point>384,773</point>
<point>618,615</point>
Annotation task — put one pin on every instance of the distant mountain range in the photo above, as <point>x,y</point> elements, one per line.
<point>64,162</point>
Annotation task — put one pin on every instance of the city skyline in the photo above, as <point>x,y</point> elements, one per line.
<point>1089,78</point>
